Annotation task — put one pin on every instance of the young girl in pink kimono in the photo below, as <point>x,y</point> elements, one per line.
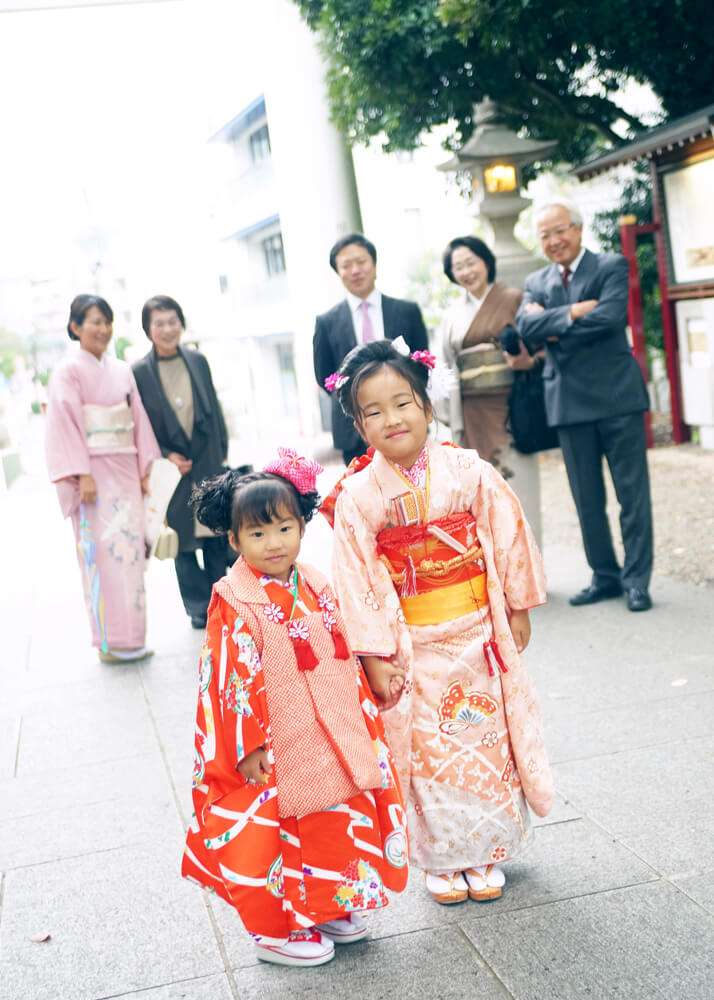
<point>436,569</point>
<point>100,446</point>
<point>298,817</point>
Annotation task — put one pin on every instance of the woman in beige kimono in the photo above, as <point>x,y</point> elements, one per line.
<point>436,570</point>
<point>478,406</point>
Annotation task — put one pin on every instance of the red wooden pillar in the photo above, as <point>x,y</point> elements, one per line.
<point>629,232</point>
<point>680,430</point>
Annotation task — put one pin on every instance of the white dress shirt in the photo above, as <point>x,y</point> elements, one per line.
<point>573,266</point>
<point>374,302</point>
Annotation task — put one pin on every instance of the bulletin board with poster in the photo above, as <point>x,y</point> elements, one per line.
<point>689,209</point>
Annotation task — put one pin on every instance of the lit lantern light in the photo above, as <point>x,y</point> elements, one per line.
<point>500,178</point>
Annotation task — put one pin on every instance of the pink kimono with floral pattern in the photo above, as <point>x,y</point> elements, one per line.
<point>86,392</point>
<point>468,762</point>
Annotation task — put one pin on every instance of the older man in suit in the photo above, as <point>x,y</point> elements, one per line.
<point>576,308</point>
<point>364,315</point>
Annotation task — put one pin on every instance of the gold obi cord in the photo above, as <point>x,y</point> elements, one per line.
<point>437,569</point>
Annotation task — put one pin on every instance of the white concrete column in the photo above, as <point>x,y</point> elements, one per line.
<point>317,194</point>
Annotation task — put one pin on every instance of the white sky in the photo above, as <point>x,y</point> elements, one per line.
<point>104,120</point>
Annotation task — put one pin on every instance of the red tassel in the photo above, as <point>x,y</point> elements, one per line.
<point>341,650</point>
<point>304,653</point>
<point>492,652</point>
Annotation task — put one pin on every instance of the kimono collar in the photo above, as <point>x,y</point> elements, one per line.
<point>391,483</point>
<point>247,588</point>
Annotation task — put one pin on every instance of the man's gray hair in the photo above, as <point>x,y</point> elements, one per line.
<point>576,216</point>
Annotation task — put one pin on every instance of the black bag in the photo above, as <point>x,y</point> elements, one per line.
<point>526,414</point>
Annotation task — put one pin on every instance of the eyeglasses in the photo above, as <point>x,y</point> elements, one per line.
<point>558,231</point>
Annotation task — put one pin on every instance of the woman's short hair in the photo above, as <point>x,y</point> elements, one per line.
<point>81,304</point>
<point>366,360</point>
<point>160,302</point>
<point>476,246</point>
<point>349,240</point>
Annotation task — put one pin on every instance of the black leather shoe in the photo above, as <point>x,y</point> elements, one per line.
<point>595,593</point>
<point>638,599</point>
<point>198,621</point>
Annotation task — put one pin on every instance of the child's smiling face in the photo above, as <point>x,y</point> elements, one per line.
<point>392,418</point>
<point>270,548</point>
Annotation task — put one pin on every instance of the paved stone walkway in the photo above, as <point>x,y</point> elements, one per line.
<point>614,899</point>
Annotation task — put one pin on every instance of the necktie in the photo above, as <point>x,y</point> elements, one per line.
<point>367,328</point>
<point>566,276</point>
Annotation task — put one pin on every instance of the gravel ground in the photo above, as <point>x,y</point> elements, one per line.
<point>682,480</point>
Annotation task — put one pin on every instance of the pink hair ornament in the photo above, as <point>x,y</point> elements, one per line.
<point>335,381</point>
<point>301,472</point>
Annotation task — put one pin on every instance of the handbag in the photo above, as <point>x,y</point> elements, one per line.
<point>167,544</point>
<point>527,422</point>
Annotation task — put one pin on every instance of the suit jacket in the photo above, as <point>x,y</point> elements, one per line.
<point>335,337</point>
<point>208,446</point>
<point>590,372</point>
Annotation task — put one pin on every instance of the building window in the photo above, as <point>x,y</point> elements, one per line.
<point>274,255</point>
<point>223,283</point>
<point>260,144</point>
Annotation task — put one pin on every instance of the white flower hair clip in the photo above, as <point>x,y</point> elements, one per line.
<point>401,347</point>
<point>442,379</point>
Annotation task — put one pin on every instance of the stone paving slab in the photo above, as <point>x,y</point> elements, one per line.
<point>657,801</point>
<point>700,888</point>
<point>69,735</point>
<point>427,964</point>
<point>9,733</point>
<point>646,724</point>
<point>564,860</point>
<point>648,942</point>
<point>120,921</point>
<point>206,988</point>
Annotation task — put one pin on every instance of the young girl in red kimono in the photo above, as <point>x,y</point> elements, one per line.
<point>298,819</point>
<point>435,568</point>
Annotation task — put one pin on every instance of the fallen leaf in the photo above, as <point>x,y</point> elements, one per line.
<point>42,936</point>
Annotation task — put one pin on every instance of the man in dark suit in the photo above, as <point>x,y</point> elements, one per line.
<point>177,391</point>
<point>364,315</point>
<point>595,395</point>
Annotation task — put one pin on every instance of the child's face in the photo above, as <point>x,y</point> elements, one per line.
<point>270,548</point>
<point>391,418</point>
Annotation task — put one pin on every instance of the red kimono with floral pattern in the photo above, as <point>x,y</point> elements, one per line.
<point>282,873</point>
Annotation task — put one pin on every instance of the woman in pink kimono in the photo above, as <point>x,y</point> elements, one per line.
<point>100,447</point>
<point>436,570</point>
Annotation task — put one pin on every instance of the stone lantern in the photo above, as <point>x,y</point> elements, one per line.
<point>494,157</point>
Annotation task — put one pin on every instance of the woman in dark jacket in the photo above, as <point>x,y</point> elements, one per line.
<point>177,391</point>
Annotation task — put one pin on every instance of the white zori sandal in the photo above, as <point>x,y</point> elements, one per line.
<point>345,930</point>
<point>447,888</point>
<point>305,948</point>
<point>485,882</point>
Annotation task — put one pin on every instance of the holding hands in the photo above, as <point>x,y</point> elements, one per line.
<point>256,767</point>
<point>386,679</point>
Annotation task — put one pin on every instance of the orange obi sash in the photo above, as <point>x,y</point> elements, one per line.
<point>437,568</point>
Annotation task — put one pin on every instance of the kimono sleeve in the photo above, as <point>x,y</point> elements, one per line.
<point>231,717</point>
<point>65,440</point>
<point>364,588</point>
<point>518,561</point>
<point>147,448</point>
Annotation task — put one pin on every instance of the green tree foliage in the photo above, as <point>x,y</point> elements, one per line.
<point>636,199</point>
<point>399,67</point>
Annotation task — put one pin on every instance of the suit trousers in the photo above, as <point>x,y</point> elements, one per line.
<point>621,441</point>
<point>196,584</point>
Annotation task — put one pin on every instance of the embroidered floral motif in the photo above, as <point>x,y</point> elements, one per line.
<point>490,739</point>
<point>199,768</point>
<point>498,854</point>
<point>329,620</point>
<point>360,888</point>
<point>235,696</point>
<point>247,651</point>
<point>370,600</point>
<point>461,709</point>
<point>326,603</point>
<point>205,668</point>
<point>274,613</point>
<point>297,629</point>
